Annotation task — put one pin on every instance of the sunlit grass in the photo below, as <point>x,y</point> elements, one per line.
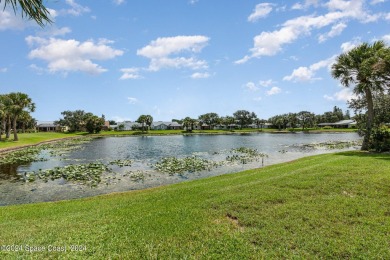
<point>334,206</point>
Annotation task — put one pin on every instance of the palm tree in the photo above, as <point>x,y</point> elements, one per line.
<point>149,120</point>
<point>367,67</point>
<point>5,102</point>
<point>32,9</point>
<point>19,102</point>
<point>188,123</point>
<point>142,119</point>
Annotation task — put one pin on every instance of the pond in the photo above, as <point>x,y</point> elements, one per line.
<point>127,163</point>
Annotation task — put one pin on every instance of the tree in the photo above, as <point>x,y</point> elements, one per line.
<point>188,123</point>
<point>243,117</point>
<point>74,120</point>
<point>19,102</point>
<point>306,119</point>
<point>93,123</point>
<point>32,9</point>
<point>227,121</point>
<point>367,68</point>
<point>142,119</point>
<point>210,119</point>
<point>149,121</point>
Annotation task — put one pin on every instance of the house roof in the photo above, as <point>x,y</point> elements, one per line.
<point>46,124</point>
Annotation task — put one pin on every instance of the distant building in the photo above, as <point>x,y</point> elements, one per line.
<point>340,124</point>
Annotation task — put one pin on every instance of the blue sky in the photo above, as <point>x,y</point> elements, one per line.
<point>178,58</point>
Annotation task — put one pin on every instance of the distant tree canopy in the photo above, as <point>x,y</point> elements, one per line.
<point>244,117</point>
<point>79,120</point>
<point>31,9</point>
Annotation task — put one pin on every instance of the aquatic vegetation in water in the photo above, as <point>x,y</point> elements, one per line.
<point>332,145</point>
<point>89,174</point>
<point>136,176</point>
<point>27,155</point>
<point>245,155</point>
<point>32,154</point>
<point>173,165</point>
<point>121,163</point>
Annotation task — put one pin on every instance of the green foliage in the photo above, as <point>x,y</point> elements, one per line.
<point>32,9</point>
<point>245,155</point>
<point>87,174</point>
<point>173,165</point>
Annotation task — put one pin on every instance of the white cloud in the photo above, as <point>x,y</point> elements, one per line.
<point>75,9</point>
<point>193,1</point>
<point>274,91</point>
<point>335,31</point>
<point>386,38</point>
<point>374,2</point>
<point>130,73</point>
<point>347,46</point>
<point>269,43</point>
<point>71,55</point>
<point>160,52</point>
<point>54,31</point>
<point>387,16</point>
<point>344,95</point>
<point>199,75</point>
<point>250,86</point>
<point>132,100</point>
<point>303,74</point>
<point>257,99</point>
<point>9,20</point>
<point>260,11</point>
<point>266,83</point>
<point>3,70</point>
<point>308,3</point>
<point>118,2</point>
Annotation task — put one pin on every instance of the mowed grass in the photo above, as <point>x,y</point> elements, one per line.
<point>34,138</point>
<point>334,206</point>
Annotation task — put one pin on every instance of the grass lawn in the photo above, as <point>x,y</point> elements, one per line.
<point>34,138</point>
<point>334,206</point>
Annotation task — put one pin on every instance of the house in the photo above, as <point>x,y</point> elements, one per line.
<point>160,125</point>
<point>126,126</point>
<point>50,126</point>
<point>340,124</point>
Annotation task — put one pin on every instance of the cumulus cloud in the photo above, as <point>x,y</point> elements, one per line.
<point>335,31</point>
<point>163,52</point>
<point>303,74</point>
<point>274,91</point>
<point>260,11</point>
<point>130,73</point>
<point>250,86</point>
<point>266,83</point>
<point>71,55</point>
<point>306,4</point>
<point>132,100</point>
<point>75,9</point>
<point>8,20</point>
<point>269,43</point>
<point>200,75</point>
<point>386,38</point>
<point>347,46</point>
<point>344,95</point>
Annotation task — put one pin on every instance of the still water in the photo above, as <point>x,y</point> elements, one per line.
<point>145,151</point>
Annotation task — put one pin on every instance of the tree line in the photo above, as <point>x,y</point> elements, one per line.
<point>15,109</point>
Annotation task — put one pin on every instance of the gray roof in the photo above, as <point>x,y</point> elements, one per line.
<point>46,124</point>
